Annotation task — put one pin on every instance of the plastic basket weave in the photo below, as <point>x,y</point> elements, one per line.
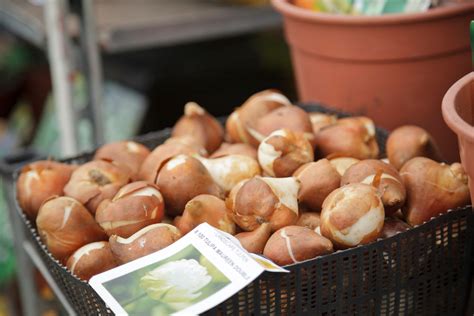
<point>424,271</point>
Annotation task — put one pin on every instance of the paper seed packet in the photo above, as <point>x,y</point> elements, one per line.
<point>194,274</point>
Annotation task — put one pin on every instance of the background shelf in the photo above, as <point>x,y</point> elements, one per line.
<point>125,25</point>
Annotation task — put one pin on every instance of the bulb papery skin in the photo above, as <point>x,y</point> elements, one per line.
<point>229,170</point>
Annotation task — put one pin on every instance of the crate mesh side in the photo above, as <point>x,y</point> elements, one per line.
<point>413,273</point>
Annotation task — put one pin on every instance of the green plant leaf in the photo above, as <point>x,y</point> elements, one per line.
<point>472,42</point>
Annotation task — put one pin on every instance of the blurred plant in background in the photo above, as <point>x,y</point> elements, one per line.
<point>369,7</point>
<point>248,2</point>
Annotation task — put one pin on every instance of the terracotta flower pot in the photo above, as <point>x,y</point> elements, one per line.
<point>393,68</point>
<point>458,113</point>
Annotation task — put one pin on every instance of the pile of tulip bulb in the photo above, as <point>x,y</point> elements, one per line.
<point>287,184</point>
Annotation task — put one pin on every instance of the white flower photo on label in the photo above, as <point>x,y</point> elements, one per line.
<point>176,282</point>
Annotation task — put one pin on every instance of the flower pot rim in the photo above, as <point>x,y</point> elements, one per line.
<point>450,115</point>
<point>290,10</point>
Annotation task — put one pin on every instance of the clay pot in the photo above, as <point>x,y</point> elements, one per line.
<point>458,112</point>
<point>392,68</point>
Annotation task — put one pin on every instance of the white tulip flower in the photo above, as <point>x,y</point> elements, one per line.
<point>176,282</point>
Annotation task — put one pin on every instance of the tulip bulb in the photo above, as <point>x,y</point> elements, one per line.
<point>229,170</point>
<point>409,141</point>
<point>291,118</point>
<point>39,181</point>
<point>188,141</point>
<point>125,154</point>
<point>321,120</point>
<point>182,178</point>
<point>144,242</point>
<point>393,226</point>
<point>293,244</point>
<point>318,180</point>
<point>205,208</point>
<point>241,124</point>
<point>134,207</point>
<point>256,240</point>
<point>259,200</point>
<point>284,151</point>
<point>94,182</point>
<point>91,259</point>
<point>65,225</point>
<point>343,163</point>
<point>389,183</point>
<point>352,215</point>
<point>201,126</point>
<point>311,220</point>
<point>432,188</point>
<point>350,137</point>
<point>154,162</point>
<point>242,149</point>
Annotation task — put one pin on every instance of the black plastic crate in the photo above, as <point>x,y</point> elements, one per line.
<point>424,271</point>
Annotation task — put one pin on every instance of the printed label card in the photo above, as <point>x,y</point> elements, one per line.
<point>196,273</point>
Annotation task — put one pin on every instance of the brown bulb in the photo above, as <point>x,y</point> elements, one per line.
<point>318,180</point>
<point>182,178</point>
<point>382,176</point>
<point>227,149</point>
<point>284,151</point>
<point>158,157</point>
<point>432,188</point>
<point>293,244</point>
<point>241,124</point>
<point>91,259</point>
<point>144,242</point>
<point>205,208</point>
<point>94,182</point>
<point>229,170</point>
<point>350,137</point>
<point>256,240</point>
<point>409,141</point>
<point>321,120</point>
<point>125,154</point>
<point>200,126</point>
<point>136,205</point>
<point>39,181</point>
<point>264,200</point>
<point>65,225</point>
<point>291,118</point>
<point>352,215</point>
